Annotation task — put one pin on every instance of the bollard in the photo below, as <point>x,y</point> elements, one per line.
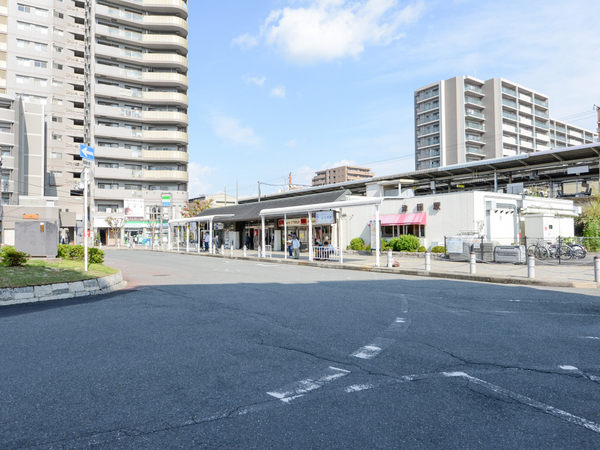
<point>531,266</point>
<point>473,264</point>
<point>597,269</point>
<point>245,249</point>
<point>427,261</point>
<point>259,251</point>
<point>390,262</point>
<point>222,250</point>
<point>231,250</point>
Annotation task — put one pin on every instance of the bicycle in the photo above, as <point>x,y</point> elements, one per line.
<point>540,251</point>
<point>578,250</point>
<point>563,252</point>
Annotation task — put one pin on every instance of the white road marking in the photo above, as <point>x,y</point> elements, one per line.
<point>591,337</point>
<point>358,387</point>
<point>373,349</point>
<point>563,415</point>
<point>568,367</point>
<point>298,389</point>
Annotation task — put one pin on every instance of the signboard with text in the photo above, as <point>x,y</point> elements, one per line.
<point>324,218</point>
<point>293,222</point>
<point>134,208</point>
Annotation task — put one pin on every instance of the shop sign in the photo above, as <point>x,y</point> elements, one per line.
<point>293,222</point>
<point>134,208</point>
<point>31,216</point>
<point>324,218</point>
<point>218,226</point>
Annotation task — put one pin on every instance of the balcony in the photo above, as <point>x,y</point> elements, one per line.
<point>541,114</point>
<point>137,115</point>
<point>178,7</point>
<point>473,101</point>
<point>152,196</point>
<point>427,142</point>
<point>541,125</point>
<point>475,126</point>
<point>167,60</point>
<point>526,144</point>
<point>8,162</point>
<point>422,120</point>
<point>165,23</point>
<point>428,165</point>
<point>7,139</point>
<point>540,102</point>
<point>121,153</point>
<point>509,91</point>
<point>165,175</point>
<point>154,97</point>
<point>7,185</point>
<point>427,130</point>
<point>158,41</point>
<point>149,78</point>
<point>177,137</point>
<point>509,115</point>
<point>427,107</point>
<point>473,113</point>
<point>7,115</point>
<point>422,97</point>
<point>542,137</point>
<point>471,88</point>
<point>509,103</point>
<point>475,150</point>
<point>425,154</point>
<point>526,109</point>
<point>474,138</point>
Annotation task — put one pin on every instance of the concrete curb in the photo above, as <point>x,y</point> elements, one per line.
<point>411,272</point>
<point>61,291</point>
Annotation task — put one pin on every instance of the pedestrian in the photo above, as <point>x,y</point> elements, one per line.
<point>288,244</point>
<point>247,241</point>
<point>296,247</point>
<point>206,241</point>
<point>216,242</point>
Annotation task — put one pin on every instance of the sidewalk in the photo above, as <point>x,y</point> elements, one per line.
<point>573,276</point>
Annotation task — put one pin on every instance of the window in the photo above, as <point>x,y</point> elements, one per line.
<point>58,31</point>
<point>55,155</point>
<point>56,173</point>
<point>108,165</point>
<point>56,137</point>
<point>57,49</point>
<point>32,63</point>
<point>5,151</point>
<point>39,46</point>
<point>57,119</point>
<point>32,80</point>
<point>108,208</point>
<point>57,66</point>
<point>59,14</point>
<point>108,186</point>
<point>30,27</point>
<point>133,187</point>
<point>33,98</point>
<point>108,144</point>
<point>57,101</point>
<point>133,167</point>
<point>24,8</point>
<point>56,83</point>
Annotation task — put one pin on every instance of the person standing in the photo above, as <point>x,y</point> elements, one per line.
<point>288,244</point>
<point>206,241</point>
<point>247,241</point>
<point>296,247</point>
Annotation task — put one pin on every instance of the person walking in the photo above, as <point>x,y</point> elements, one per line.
<point>296,247</point>
<point>247,241</point>
<point>288,244</point>
<point>206,241</point>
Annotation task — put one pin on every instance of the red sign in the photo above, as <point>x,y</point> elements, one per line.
<point>89,233</point>
<point>255,232</point>
<point>293,222</point>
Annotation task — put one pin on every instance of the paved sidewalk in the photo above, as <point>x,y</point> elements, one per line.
<point>575,276</point>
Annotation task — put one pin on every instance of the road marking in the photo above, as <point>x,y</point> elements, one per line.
<point>563,415</point>
<point>373,349</point>
<point>568,367</point>
<point>591,337</point>
<point>581,372</point>
<point>358,387</point>
<point>299,388</point>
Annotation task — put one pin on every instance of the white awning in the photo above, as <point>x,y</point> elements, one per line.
<point>198,219</point>
<point>333,206</point>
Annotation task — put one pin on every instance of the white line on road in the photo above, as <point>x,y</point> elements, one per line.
<point>373,349</point>
<point>358,387</point>
<point>563,415</point>
<point>298,389</point>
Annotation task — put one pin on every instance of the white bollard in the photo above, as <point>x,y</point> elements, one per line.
<point>427,261</point>
<point>222,250</point>
<point>597,269</point>
<point>390,261</point>
<point>231,250</point>
<point>259,251</point>
<point>245,250</point>
<point>473,264</point>
<point>531,266</point>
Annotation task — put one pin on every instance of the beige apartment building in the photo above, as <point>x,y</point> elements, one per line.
<point>340,175</point>
<point>113,75</point>
<point>465,119</point>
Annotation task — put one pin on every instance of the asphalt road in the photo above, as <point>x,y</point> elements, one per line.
<point>207,353</point>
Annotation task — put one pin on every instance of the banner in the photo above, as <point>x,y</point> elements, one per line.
<point>134,208</point>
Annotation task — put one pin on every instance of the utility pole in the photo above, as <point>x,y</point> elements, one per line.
<point>85,219</point>
<point>259,191</point>
<point>237,193</point>
<point>598,129</point>
<point>290,182</point>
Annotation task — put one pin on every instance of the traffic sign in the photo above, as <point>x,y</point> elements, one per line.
<point>87,153</point>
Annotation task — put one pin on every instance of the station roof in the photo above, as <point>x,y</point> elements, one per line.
<point>251,211</point>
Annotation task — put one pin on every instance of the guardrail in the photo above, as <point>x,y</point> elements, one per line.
<point>326,253</point>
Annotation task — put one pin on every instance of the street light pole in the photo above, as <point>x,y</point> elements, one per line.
<point>85,219</point>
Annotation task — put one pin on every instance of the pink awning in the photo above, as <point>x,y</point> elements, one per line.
<point>403,219</point>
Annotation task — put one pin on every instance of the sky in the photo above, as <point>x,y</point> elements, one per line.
<point>296,86</point>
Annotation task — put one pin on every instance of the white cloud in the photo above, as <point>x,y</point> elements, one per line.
<point>232,131</point>
<point>303,176</point>
<point>343,162</point>
<point>291,144</point>
<point>331,29</point>
<point>245,41</point>
<point>278,91</point>
<point>255,80</point>
<point>197,176</point>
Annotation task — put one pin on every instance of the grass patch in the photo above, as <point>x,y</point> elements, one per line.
<point>37,273</point>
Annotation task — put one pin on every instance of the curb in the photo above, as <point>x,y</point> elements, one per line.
<point>61,291</point>
<point>411,272</point>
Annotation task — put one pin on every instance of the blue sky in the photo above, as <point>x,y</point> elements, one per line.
<point>280,86</point>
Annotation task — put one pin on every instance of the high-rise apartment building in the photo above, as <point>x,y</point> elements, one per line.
<point>340,175</point>
<point>464,119</point>
<point>111,74</point>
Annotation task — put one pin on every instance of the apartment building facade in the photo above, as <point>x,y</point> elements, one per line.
<point>113,75</point>
<point>465,119</point>
<point>340,175</point>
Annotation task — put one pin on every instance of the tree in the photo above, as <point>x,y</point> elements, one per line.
<point>192,209</point>
<point>116,225</point>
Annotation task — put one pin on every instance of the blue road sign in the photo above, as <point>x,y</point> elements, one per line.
<point>86,152</point>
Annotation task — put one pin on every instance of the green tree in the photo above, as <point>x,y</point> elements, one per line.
<point>192,209</point>
<point>116,225</point>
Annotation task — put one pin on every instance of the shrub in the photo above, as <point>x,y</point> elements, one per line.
<point>405,243</point>
<point>438,249</point>
<point>422,249</point>
<point>11,257</point>
<point>95,256</point>
<point>384,245</point>
<point>5,248</point>
<point>357,244</point>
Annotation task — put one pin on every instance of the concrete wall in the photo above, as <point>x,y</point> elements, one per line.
<point>37,238</point>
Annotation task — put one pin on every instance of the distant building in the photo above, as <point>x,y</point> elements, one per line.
<point>341,174</point>
<point>464,120</point>
<point>218,200</point>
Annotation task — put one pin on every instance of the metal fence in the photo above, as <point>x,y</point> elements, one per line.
<point>326,253</point>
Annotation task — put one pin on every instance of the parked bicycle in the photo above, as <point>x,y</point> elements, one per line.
<point>539,250</point>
